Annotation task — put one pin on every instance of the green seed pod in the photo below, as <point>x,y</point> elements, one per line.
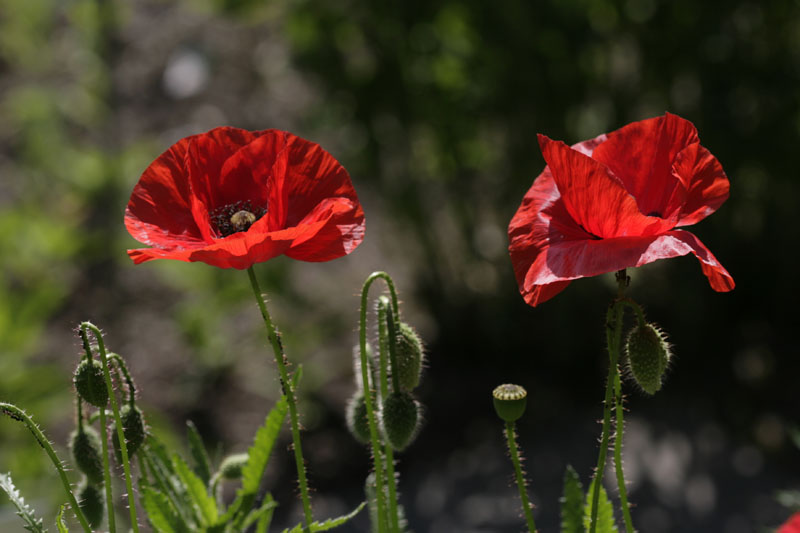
<point>510,401</point>
<point>90,382</point>
<point>357,421</point>
<point>410,355</point>
<point>648,354</point>
<point>232,465</point>
<point>400,419</point>
<point>133,429</point>
<point>85,446</point>
<point>90,500</point>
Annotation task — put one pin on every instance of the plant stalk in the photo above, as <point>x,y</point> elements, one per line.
<point>523,492</point>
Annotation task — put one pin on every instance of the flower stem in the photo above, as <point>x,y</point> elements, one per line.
<point>523,492</point>
<point>613,337</point>
<point>118,422</point>
<point>384,320</point>
<point>370,393</point>
<point>19,415</point>
<point>620,424</point>
<point>112,521</point>
<point>288,391</point>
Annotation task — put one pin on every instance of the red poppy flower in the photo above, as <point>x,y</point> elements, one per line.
<point>791,526</point>
<point>232,198</point>
<point>614,202</point>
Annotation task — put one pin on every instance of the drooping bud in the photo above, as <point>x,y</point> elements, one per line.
<point>85,446</point>
<point>410,355</point>
<point>648,354</point>
<point>357,421</point>
<point>90,382</point>
<point>400,419</point>
<point>231,467</point>
<point>133,429</point>
<point>510,401</point>
<point>90,500</point>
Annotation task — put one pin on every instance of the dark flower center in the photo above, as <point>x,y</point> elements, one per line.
<point>654,214</point>
<point>235,217</point>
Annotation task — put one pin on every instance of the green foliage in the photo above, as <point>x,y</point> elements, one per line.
<point>572,502</point>
<point>60,524</point>
<point>160,512</point>
<point>328,524</point>
<point>203,504</point>
<point>24,511</point>
<point>202,465</point>
<point>605,512</point>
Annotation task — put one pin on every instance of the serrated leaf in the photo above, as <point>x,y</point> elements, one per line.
<point>160,512</point>
<point>202,466</point>
<point>267,508</point>
<point>197,491</point>
<point>33,524</point>
<point>605,512</point>
<point>572,503</point>
<point>257,458</point>
<point>166,481</point>
<point>329,523</point>
<point>60,524</point>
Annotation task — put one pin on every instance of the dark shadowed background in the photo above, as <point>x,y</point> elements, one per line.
<point>433,107</point>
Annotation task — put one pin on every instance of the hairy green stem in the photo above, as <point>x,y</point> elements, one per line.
<point>619,422</point>
<point>369,392</point>
<point>523,491</point>
<point>385,322</point>
<point>123,369</point>
<point>288,391</point>
<point>112,520</point>
<point>98,335</point>
<point>21,416</point>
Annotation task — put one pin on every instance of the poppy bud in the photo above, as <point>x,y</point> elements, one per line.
<point>648,354</point>
<point>133,429</point>
<point>90,382</point>
<point>400,418</point>
<point>90,500</point>
<point>357,421</point>
<point>510,401</point>
<point>85,446</point>
<point>231,467</point>
<point>409,355</point>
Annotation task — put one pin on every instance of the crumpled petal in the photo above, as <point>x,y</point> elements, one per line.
<point>707,186</point>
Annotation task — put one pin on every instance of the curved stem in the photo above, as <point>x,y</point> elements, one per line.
<point>384,321</point>
<point>20,416</point>
<point>117,421</point>
<point>369,392</point>
<point>523,492</point>
<point>288,391</point>
<point>123,368</point>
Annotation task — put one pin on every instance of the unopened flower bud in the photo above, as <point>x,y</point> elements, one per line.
<point>90,382</point>
<point>231,467</point>
<point>648,354</point>
<point>133,429</point>
<point>85,446</point>
<point>410,355</point>
<point>90,500</point>
<point>400,418</point>
<point>510,401</point>
<point>356,415</point>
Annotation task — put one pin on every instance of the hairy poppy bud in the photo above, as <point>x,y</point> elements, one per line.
<point>133,429</point>
<point>231,467</point>
<point>84,443</point>
<point>648,354</point>
<point>510,401</point>
<point>90,382</point>
<point>356,415</point>
<point>410,355</point>
<point>90,500</point>
<point>400,419</point>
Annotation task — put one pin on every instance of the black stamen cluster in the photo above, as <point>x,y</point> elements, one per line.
<point>221,216</point>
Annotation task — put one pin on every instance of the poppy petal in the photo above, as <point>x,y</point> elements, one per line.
<point>707,186</point>
<point>594,197</point>
<point>333,229</point>
<point>641,155</point>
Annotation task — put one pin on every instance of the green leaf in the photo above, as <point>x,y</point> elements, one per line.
<point>160,512</point>
<point>605,512</point>
<point>267,508</point>
<point>572,503</point>
<point>202,466</point>
<point>327,524</point>
<point>60,524</point>
<point>204,505</point>
<point>166,481</point>
<point>257,458</point>
<point>32,523</point>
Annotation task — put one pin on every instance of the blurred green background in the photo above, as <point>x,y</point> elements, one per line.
<point>433,107</point>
